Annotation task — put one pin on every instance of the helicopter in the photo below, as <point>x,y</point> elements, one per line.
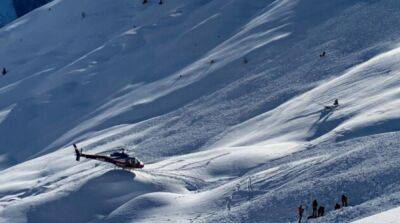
<point>118,158</point>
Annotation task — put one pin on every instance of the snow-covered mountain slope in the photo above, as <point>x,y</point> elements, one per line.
<point>391,216</point>
<point>223,101</point>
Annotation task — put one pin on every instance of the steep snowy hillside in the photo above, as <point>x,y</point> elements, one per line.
<point>223,101</point>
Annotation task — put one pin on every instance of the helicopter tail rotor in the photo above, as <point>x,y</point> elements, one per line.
<point>77,153</point>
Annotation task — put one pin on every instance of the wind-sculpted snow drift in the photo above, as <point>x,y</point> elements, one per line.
<point>222,100</point>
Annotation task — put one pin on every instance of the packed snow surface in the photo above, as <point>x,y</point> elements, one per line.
<point>224,102</point>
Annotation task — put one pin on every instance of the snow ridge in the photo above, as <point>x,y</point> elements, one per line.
<point>224,101</point>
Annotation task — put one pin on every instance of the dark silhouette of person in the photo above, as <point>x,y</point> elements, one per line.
<point>314,208</point>
<point>321,211</point>
<point>336,102</point>
<point>300,211</point>
<point>323,54</point>
<point>344,201</point>
<point>160,2</point>
<point>337,206</point>
<point>4,71</point>
<point>144,2</point>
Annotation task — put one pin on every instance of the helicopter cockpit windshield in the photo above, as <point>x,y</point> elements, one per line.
<point>119,154</point>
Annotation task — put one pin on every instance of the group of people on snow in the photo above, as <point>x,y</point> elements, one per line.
<point>320,211</point>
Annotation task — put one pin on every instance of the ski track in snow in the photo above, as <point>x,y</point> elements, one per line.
<point>222,100</point>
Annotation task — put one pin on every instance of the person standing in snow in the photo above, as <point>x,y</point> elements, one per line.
<point>337,206</point>
<point>321,211</point>
<point>229,202</point>
<point>4,71</point>
<point>300,211</point>
<point>250,188</point>
<point>160,2</point>
<point>237,188</point>
<point>344,201</point>
<point>144,2</point>
<point>314,208</point>
<point>336,102</point>
<point>323,54</point>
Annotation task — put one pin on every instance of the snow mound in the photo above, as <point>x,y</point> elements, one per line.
<point>224,101</point>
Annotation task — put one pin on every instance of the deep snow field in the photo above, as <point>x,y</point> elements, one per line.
<point>223,100</point>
